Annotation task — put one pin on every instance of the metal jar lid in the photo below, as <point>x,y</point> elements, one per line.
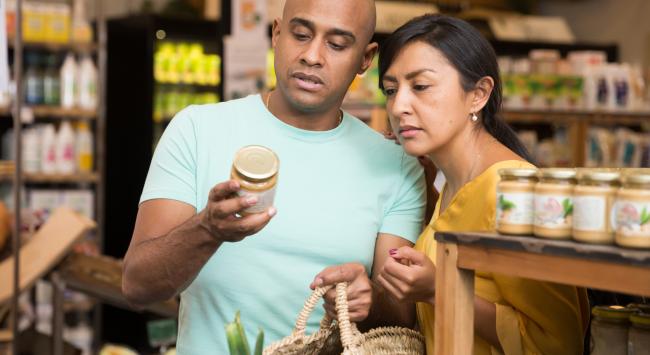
<point>558,173</point>
<point>519,172</point>
<point>612,313</point>
<point>256,162</point>
<point>637,177</point>
<point>602,175</point>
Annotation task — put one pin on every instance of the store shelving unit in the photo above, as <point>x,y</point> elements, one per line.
<point>23,115</point>
<point>459,255</point>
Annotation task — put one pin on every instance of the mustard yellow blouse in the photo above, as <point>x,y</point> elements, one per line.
<point>533,317</point>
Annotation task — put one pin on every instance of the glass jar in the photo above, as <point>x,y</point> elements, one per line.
<point>609,330</point>
<point>255,168</point>
<point>593,199</point>
<point>515,201</point>
<point>632,210</point>
<point>554,203</point>
<point>639,335</point>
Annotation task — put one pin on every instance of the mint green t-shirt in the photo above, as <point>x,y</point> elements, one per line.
<point>336,191</point>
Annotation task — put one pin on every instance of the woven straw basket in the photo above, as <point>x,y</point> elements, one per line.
<point>343,337</point>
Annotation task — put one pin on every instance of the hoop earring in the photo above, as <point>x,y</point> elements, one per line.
<point>474,117</point>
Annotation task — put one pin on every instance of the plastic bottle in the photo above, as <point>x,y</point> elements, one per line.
<point>65,149</point>
<point>52,82</point>
<point>69,81</point>
<point>81,30</point>
<point>48,149</point>
<point>84,148</point>
<point>33,80</point>
<point>31,145</point>
<point>87,84</point>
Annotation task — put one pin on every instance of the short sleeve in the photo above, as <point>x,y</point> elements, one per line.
<point>172,173</point>
<point>403,218</point>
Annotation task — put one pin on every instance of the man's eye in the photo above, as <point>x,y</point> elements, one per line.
<point>337,47</point>
<point>301,36</point>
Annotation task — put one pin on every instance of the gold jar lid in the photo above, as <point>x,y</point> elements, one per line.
<point>558,173</point>
<point>256,162</point>
<point>519,172</point>
<point>640,319</point>
<point>613,313</point>
<point>641,307</point>
<point>601,175</point>
<point>637,177</point>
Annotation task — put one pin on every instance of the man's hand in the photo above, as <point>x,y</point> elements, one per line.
<point>359,289</point>
<point>220,218</point>
<point>409,276</point>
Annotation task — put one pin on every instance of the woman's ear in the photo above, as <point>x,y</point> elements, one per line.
<point>481,93</point>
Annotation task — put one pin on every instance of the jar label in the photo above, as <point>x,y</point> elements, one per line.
<point>589,213</point>
<point>515,208</point>
<point>553,211</point>
<point>264,199</point>
<point>632,218</point>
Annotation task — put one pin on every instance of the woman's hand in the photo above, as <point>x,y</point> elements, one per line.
<point>359,289</point>
<point>409,276</point>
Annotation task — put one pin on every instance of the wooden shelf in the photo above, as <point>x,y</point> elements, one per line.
<point>459,255</point>
<point>40,178</point>
<point>60,112</point>
<point>58,47</point>
<point>568,116</point>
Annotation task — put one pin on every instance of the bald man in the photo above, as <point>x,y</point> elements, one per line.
<point>345,197</point>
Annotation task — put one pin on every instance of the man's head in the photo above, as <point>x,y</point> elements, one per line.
<point>320,45</point>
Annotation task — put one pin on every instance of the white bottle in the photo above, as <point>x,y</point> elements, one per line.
<point>31,145</point>
<point>48,149</point>
<point>69,82</point>
<point>87,84</point>
<point>65,150</point>
<point>84,148</point>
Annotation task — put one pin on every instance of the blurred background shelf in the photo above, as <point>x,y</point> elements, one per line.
<point>59,47</point>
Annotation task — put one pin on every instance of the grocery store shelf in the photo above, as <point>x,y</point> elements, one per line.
<point>43,111</point>
<point>40,178</point>
<point>549,115</point>
<point>58,47</point>
<point>188,85</point>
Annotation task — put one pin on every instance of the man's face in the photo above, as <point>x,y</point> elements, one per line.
<point>320,45</point>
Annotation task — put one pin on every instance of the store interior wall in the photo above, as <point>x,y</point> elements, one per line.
<point>615,21</point>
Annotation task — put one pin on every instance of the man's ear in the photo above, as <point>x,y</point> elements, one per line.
<point>275,33</point>
<point>481,93</point>
<point>368,56</point>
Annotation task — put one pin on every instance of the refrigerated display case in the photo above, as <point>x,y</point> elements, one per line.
<point>157,66</point>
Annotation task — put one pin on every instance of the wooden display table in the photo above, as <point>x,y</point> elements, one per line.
<point>460,254</point>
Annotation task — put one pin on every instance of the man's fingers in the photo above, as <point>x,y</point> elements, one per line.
<point>223,190</point>
<point>237,228</point>
<point>229,206</point>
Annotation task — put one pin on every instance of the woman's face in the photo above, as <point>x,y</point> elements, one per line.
<point>426,104</point>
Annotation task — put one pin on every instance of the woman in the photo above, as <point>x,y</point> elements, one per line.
<point>441,81</point>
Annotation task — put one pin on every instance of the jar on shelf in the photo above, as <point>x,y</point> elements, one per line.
<point>255,168</point>
<point>593,199</point>
<point>554,203</point>
<point>639,334</point>
<point>632,210</point>
<point>609,330</point>
<point>515,201</point>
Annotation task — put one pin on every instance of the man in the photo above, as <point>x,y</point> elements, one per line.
<point>345,195</point>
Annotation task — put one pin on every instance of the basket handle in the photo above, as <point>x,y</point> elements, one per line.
<point>349,331</point>
<point>308,308</point>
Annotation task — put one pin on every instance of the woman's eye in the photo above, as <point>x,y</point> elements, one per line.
<point>389,91</point>
<point>421,87</point>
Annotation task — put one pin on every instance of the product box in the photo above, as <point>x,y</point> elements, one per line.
<point>80,201</point>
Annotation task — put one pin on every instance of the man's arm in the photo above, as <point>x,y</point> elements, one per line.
<point>171,243</point>
<point>367,301</point>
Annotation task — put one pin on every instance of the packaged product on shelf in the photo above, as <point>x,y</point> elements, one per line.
<point>87,84</point>
<point>31,151</point>
<point>632,210</point>
<point>42,202</point>
<point>69,72</point>
<point>52,82</point>
<point>65,149</point>
<point>57,23</point>
<point>554,203</point>
<point>629,148</point>
<point>609,330</point>
<point>34,80</point>
<point>80,201</point>
<point>48,149</point>
<point>529,139</point>
<point>639,334</point>
<point>82,32</point>
<point>516,201</point>
<point>599,147</point>
<point>593,200</point>
<point>84,148</point>
<point>34,22</point>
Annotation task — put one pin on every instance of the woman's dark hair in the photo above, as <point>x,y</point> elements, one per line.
<point>472,56</point>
